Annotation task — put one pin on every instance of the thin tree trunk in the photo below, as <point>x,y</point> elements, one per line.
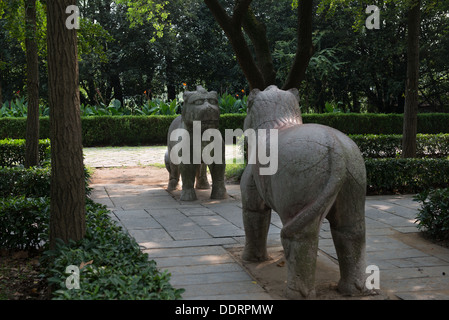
<point>67,217</point>
<point>232,26</point>
<point>1,94</point>
<point>257,32</point>
<point>32,129</point>
<point>411,90</point>
<point>305,48</point>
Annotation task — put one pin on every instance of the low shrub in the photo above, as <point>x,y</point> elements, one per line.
<point>390,176</point>
<point>23,223</point>
<point>390,146</point>
<point>12,152</point>
<point>32,182</point>
<point>136,130</point>
<point>433,216</point>
<point>386,176</point>
<point>116,267</point>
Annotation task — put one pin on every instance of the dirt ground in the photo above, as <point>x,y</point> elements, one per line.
<point>271,274</point>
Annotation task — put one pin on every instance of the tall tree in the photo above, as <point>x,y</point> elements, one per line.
<point>68,212</point>
<point>411,90</point>
<point>259,69</point>
<point>32,130</point>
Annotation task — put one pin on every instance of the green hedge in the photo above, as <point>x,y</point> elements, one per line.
<point>386,176</point>
<point>12,152</point>
<point>32,182</point>
<point>23,223</point>
<point>135,130</point>
<point>390,176</point>
<point>390,146</point>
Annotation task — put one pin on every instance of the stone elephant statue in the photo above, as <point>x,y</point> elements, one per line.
<point>200,108</point>
<point>321,174</point>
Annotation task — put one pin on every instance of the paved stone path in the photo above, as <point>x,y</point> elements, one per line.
<point>190,239</point>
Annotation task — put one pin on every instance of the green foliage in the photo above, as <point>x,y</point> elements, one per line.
<point>433,216</point>
<point>118,270</point>
<point>389,146</point>
<point>232,104</point>
<point>32,182</point>
<point>129,130</point>
<point>23,222</point>
<point>159,107</point>
<point>138,130</point>
<point>141,12</point>
<point>12,152</point>
<point>19,108</point>
<point>386,176</point>
<point>369,123</point>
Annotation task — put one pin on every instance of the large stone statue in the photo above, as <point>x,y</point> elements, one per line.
<point>321,174</point>
<point>200,109</point>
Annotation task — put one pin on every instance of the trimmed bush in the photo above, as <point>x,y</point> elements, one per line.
<point>386,176</point>
<point>23,222</point>
<point>32,182</point>
<point>390,146</point>
<point>12,152</point>
<point>136,130</point>
<point>433,216</point>
<point>391,176</point>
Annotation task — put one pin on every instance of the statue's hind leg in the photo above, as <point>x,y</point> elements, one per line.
<point>301,253</point>
<point>347,222</point>
<point>201,177</point>
<point>256,220</point>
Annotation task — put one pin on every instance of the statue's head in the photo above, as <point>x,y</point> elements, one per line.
<point>201,105</point>
<point>272,107</point>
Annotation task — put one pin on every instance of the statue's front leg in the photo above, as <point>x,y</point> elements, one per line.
<point>256,219</point>
<point>188,173</point>
<point>217,172</point>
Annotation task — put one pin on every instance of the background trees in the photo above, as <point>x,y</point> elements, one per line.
<point>352,69</point>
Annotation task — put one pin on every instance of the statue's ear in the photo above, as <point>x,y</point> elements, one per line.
<point>251,97</point>
<point>295,92</point>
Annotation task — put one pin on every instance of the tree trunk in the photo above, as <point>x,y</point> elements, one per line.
<point>305,48</point>
<point>1,94</point>
<point>117,86</point>
<point>170,78</point>
<point>261,74</point>
<point>232,26</point>
<point>67,209</point>
<point>411,90</point>
<point>32,129</point>
<point>257,32</point>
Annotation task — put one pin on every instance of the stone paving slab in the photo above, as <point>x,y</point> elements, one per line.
<point>190,240</point>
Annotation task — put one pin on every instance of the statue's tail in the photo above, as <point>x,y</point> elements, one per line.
<point>323,202</point>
